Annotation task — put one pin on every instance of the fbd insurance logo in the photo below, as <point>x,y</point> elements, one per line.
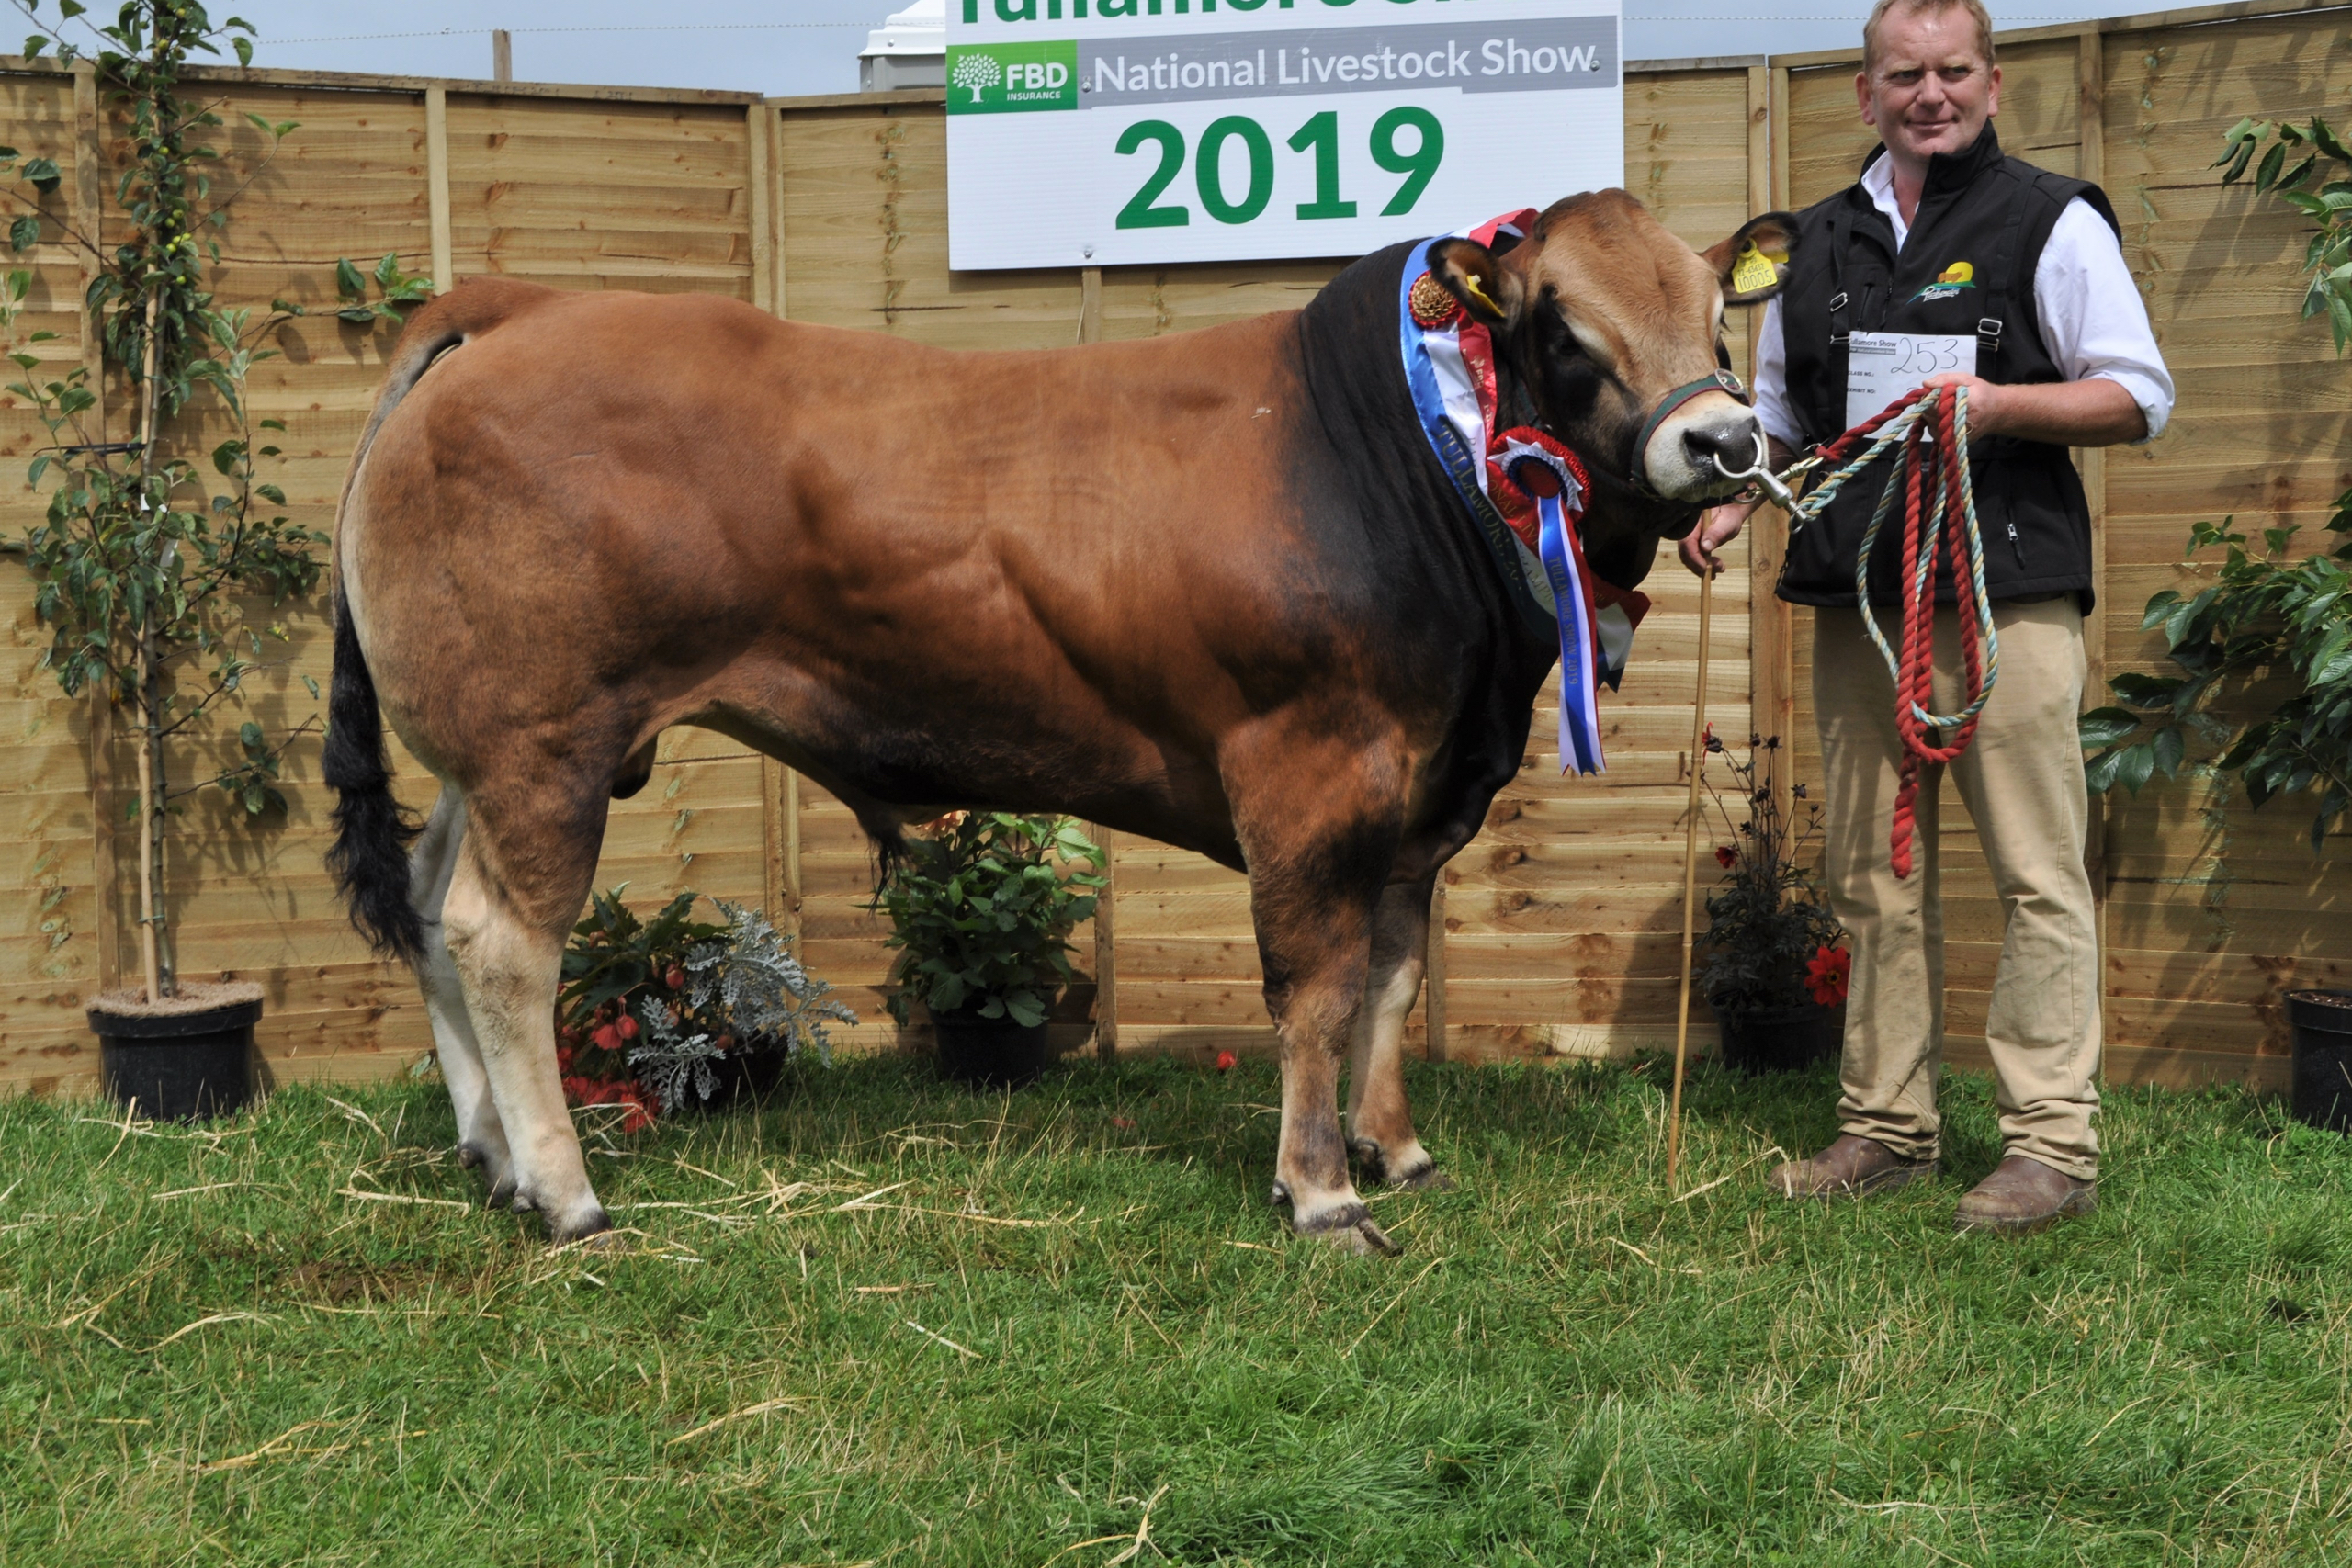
<point>1011,78</point>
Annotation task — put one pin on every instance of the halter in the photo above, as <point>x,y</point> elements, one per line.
<point>1720,381</point>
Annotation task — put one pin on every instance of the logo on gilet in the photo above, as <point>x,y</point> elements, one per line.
<point>1949,282</point>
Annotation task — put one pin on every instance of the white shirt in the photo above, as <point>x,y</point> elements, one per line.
<point>2093,321</point>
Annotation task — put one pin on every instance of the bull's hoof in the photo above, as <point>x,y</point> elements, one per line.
<point>1362,1239</point>
<point>1415,1171</point>
<point>503,1193</point>
<point>592,1223</point>
<point>1350,1227</point>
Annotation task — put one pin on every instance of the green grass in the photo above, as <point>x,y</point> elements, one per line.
<point>1564,1368</point>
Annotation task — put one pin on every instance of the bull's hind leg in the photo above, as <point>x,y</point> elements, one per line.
<point>482,1140</point>
<point>1380,1123</point>
<point>517,886</point>
<point>1318,855</point>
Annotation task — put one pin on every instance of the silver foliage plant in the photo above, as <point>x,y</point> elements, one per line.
<point>750,985</point>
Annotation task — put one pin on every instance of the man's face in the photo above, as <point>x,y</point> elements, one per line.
<point>1930,90</point>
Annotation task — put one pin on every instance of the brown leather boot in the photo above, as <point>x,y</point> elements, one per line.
<point>2022,1196</point>
<point>1853,1166</point>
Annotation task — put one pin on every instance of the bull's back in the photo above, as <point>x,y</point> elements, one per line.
<point>683,496</point>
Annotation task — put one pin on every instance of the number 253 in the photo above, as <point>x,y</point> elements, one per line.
<point>1319,136</point>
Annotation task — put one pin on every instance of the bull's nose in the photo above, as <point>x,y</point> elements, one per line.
<point>1729,445</point>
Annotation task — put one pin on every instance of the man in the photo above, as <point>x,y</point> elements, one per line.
<point>2011,281</point>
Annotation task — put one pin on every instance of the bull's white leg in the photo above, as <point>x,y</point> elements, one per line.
<point>1380,1121</point>
<point>508,969</point>
<point>482,1140</point>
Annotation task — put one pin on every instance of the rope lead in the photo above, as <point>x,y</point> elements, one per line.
<point>1930,426</point>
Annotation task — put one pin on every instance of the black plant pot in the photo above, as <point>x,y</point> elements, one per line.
<point>2323,1082</point>
<point>1779,1040</point>
<point>178,1066</point>
<point>990,1052</point>
<point>742,1075</point>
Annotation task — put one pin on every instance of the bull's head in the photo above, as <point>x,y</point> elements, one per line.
<point>1614,327</point>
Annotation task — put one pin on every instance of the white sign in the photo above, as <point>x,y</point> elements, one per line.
<point>1882,366</point>
<point>1122,131</point>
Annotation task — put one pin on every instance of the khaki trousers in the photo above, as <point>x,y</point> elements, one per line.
<point>2022,780</point>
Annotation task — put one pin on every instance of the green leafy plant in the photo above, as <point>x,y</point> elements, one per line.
<point>981,907</point>
<point>653,1010</point>
<point>1771,941</point>
<point>2297,157</point>
<point>155,561</point>
<point>2266,614</point>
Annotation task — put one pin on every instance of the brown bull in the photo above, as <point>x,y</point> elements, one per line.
<point>1213,589</point>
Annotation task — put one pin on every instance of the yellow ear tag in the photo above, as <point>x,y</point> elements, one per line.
<point>1470,282</point>
<point>1753,270</point>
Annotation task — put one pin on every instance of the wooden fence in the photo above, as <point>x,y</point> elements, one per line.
<point>1560,922</point>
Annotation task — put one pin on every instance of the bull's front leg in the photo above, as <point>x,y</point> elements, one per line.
<point>1380,1121</point>
<point>1318,855</point>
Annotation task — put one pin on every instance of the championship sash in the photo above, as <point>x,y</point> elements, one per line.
<point>1525,490</point>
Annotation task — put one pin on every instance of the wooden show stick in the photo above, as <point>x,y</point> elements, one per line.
<point>1690,880</point>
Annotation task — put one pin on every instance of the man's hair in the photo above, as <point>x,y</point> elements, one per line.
<point>1975,8</point>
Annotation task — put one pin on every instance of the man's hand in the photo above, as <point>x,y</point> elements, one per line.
<point>1718,526</point>
<point>2092,412</point>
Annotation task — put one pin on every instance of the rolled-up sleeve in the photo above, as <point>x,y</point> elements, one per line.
<point>2093,320</point>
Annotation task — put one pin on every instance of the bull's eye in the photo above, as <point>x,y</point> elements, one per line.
<point>1722,354</point>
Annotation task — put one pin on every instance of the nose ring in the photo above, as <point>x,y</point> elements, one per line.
<point>1760,473</point>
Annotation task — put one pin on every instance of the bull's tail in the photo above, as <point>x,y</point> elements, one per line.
<point>368,859</point>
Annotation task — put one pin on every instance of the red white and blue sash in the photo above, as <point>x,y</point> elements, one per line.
<point>1525,489</point>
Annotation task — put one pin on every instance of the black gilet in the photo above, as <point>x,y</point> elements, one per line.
<point>1995,214</point>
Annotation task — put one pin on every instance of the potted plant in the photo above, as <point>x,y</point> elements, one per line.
<point>2321,1094</point>
<point>981,907</point>
<point>1773,970</point>
<point>152,578</point>
<point>673,1013</point>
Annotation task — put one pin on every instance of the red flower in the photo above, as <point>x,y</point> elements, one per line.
<point>1827,976</point>
<point>627,1027</point>
<point>1726,856</point>
<point>607,1037</point>
<point>1227,1061</point>
<point>640,1115</point>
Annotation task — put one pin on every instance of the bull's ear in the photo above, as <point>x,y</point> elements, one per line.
<point>1489,290</point>
<point>1754,262</point>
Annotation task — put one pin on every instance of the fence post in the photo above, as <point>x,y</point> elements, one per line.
<point>1107,909</point>
<point>2090,85</point>
<point>436,185</point>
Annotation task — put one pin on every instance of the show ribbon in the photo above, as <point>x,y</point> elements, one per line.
<point>1525,490</point>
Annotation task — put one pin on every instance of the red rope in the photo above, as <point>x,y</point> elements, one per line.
<point>1915,662</point>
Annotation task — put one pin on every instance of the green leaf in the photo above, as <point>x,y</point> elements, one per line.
<point>24,233</point>
<point>244,48</point>
<point>2137,763</point>
<point>43,174</point>
<point>2145,691</point>
<point>2169,746</point>
<point>2105,726</point>
<point>2273,161</point>
<point>347,281</point>
<point>357,314</point>
<point>34,45</point>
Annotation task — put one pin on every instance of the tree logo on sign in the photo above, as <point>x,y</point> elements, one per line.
<point>979,72</point>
